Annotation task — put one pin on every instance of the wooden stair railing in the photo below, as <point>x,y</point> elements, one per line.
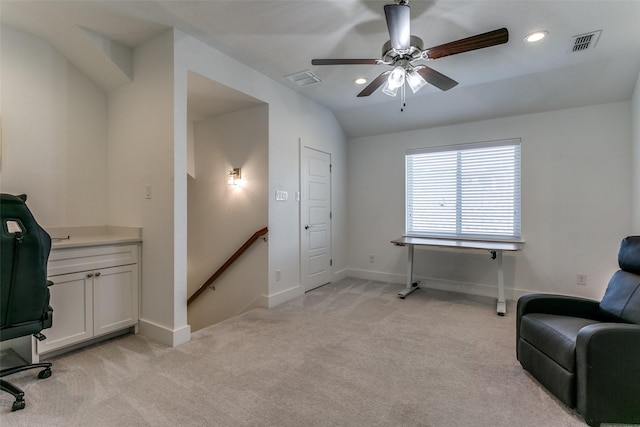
<point>226,265</point>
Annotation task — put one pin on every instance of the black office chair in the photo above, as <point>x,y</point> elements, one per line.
<point>24,297</point>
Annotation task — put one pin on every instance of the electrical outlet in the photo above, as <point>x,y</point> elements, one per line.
<point>582,279</point>
<point>147,192</point>
<point>278,275</point>
<point>372,258</point>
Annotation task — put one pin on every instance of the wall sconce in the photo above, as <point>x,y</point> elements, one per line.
<point>234,176</point>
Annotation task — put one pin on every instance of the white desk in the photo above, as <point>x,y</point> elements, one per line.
<point>495,248</point>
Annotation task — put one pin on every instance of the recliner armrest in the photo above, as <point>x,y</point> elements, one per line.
<point>562,305</point>
<point>608,368</point>
<point>557,304</point>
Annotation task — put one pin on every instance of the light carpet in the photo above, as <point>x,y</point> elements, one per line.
<point>346,354</point>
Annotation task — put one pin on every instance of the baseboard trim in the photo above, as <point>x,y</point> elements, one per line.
<point>278,298</point>
<point>340,274</point>
<point>164,335</point>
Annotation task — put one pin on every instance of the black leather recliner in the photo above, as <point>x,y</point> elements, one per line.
<point>24,297</point>
<point>585,352</point>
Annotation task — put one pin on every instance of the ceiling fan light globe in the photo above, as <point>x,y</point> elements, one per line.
<point>415,80</point>
<point>388,90</point>
<point>396,78</point>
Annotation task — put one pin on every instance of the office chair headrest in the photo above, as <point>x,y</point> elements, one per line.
<point>629,255</point>
<point>10,198</point>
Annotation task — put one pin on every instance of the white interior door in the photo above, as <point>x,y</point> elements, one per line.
<point>315,218</point>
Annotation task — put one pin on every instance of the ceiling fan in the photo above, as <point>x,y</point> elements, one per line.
<point>404,51</point>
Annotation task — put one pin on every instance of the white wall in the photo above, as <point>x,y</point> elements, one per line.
<point>635,113</point>
<point>86,158</point>
<point>576,204</point>
<point>291,118</point>
<point>222,217</point>
<point>54,134</point>
<point>141,153</point>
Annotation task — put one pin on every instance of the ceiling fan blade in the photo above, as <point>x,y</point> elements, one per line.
<point>480,41</point>
<point>345,61</point>
<point>375,84</point>
<point>436,78</point>
<point>399,25</point>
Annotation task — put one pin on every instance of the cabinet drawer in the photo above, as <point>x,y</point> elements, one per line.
<point>63,261</point>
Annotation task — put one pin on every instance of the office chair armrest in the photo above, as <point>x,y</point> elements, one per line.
<point>608,368</point>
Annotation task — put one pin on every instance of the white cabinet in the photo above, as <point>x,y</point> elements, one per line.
<point>95,292</point>
<point>72,302</point>
<point>115,298</point>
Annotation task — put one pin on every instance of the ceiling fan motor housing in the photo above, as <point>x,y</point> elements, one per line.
<point>392,56</point>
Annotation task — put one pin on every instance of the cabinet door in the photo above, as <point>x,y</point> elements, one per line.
<point>72,302</point>
<point>115,298</point>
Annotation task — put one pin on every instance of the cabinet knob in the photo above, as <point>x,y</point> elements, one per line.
<point>89,275</point>
<point>97,273</point>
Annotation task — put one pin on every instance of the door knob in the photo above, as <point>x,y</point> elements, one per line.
<point>306,227</point>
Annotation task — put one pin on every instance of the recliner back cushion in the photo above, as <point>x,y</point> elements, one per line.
<point>621,301</point>
<point>629,254</point>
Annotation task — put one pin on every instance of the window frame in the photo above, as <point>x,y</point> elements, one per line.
<point>515,234</point>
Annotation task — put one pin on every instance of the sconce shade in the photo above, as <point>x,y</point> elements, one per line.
<point>234,176</point>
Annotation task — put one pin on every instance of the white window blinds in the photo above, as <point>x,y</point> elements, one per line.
<point>464,191</point>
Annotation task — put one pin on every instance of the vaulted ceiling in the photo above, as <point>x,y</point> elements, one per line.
<point>279,38</point>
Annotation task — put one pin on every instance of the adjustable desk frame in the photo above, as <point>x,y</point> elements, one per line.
<point>495,248</point>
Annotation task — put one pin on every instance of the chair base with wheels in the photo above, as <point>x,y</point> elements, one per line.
<point>16,391</point>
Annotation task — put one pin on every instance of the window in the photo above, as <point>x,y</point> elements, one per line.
<point>467,191</point>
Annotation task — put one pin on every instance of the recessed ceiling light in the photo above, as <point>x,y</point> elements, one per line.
<point>360,81</point>
<point>536,36</point>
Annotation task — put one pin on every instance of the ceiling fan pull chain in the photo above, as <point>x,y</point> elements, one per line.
<point>402,99</point>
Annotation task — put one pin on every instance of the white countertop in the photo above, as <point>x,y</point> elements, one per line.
<point>75,237</point>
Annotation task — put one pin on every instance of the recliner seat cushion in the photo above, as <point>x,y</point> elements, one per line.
<point>554,335</point>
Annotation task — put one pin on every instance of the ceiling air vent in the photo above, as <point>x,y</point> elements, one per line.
<point>303,78</point>
<point>584,41</point>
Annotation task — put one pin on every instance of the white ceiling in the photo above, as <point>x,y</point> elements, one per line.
<point>278,38</point>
